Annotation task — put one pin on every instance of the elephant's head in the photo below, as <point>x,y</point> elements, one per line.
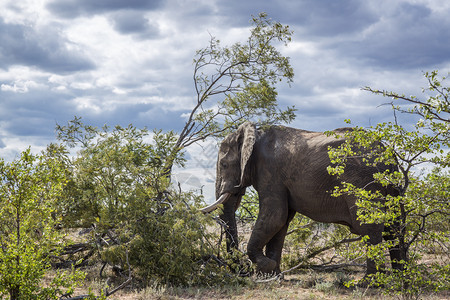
<point>233,176</point>
<point>233,164</point>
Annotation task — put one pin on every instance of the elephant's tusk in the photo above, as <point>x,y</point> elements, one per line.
<point>213,206</point>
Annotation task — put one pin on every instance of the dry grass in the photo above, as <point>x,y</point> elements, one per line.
<point>304,285</point>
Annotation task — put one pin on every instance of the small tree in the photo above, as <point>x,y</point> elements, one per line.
<point>114,173</point>
<point>142,225</point>
<point>420,202</point>
<point>238,83</point>
<point>30,188</point>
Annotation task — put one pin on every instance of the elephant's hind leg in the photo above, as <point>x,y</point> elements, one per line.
<point>397,253</point>
<point>273,215</point>
<point>375,233</point>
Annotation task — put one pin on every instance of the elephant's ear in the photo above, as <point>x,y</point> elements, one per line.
<point>248,134</point>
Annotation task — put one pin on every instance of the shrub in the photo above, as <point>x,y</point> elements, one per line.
<point>30,188</point>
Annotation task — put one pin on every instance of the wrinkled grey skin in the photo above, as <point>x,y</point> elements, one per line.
<point>288,169</point>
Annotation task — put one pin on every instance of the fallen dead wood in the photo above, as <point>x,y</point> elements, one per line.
<point>323,267</point>
<point>107,293</point>
<point>70,250</point>
<point>75,248</point>
<point>303,265</point>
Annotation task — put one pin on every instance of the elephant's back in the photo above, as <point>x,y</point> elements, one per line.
<point>296,137</point>
<point>296,154</point>
<point>304,173</point>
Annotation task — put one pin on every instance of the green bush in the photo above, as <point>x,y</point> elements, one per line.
<point>119,186</point>
<point>418,214</point>
<point>30,188</point>
<point>172,247</point>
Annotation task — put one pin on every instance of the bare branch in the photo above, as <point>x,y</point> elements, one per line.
<point>314,253</point>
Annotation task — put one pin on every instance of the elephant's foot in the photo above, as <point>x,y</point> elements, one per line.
<point>266,265</point>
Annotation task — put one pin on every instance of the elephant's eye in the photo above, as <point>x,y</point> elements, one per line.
<point>223,164</point>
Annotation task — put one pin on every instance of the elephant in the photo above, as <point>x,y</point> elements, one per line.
<point>288,169</point>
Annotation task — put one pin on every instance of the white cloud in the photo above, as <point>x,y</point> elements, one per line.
<point>119,91</point>
<point>200,172</point>
<point>15,88</point>
<point>88,105</point>
<point>82,85</point>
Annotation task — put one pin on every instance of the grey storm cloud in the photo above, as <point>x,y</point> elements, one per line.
<point>407,35</point>
<point>45,49</point>
<point>410,36</point>
<point>35,112</point>
<point>330,18</point>
<point>75,8</point>
<point>135,23</point>
<point>318,18</point>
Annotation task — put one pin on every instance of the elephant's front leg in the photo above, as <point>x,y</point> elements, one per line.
<point>272,217</point>
<point>275,246</point>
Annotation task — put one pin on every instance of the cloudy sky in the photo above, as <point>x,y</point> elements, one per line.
<point>130,61</point>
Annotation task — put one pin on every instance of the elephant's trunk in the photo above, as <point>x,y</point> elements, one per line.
<point>212,207</point>
<point>228,216</point>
